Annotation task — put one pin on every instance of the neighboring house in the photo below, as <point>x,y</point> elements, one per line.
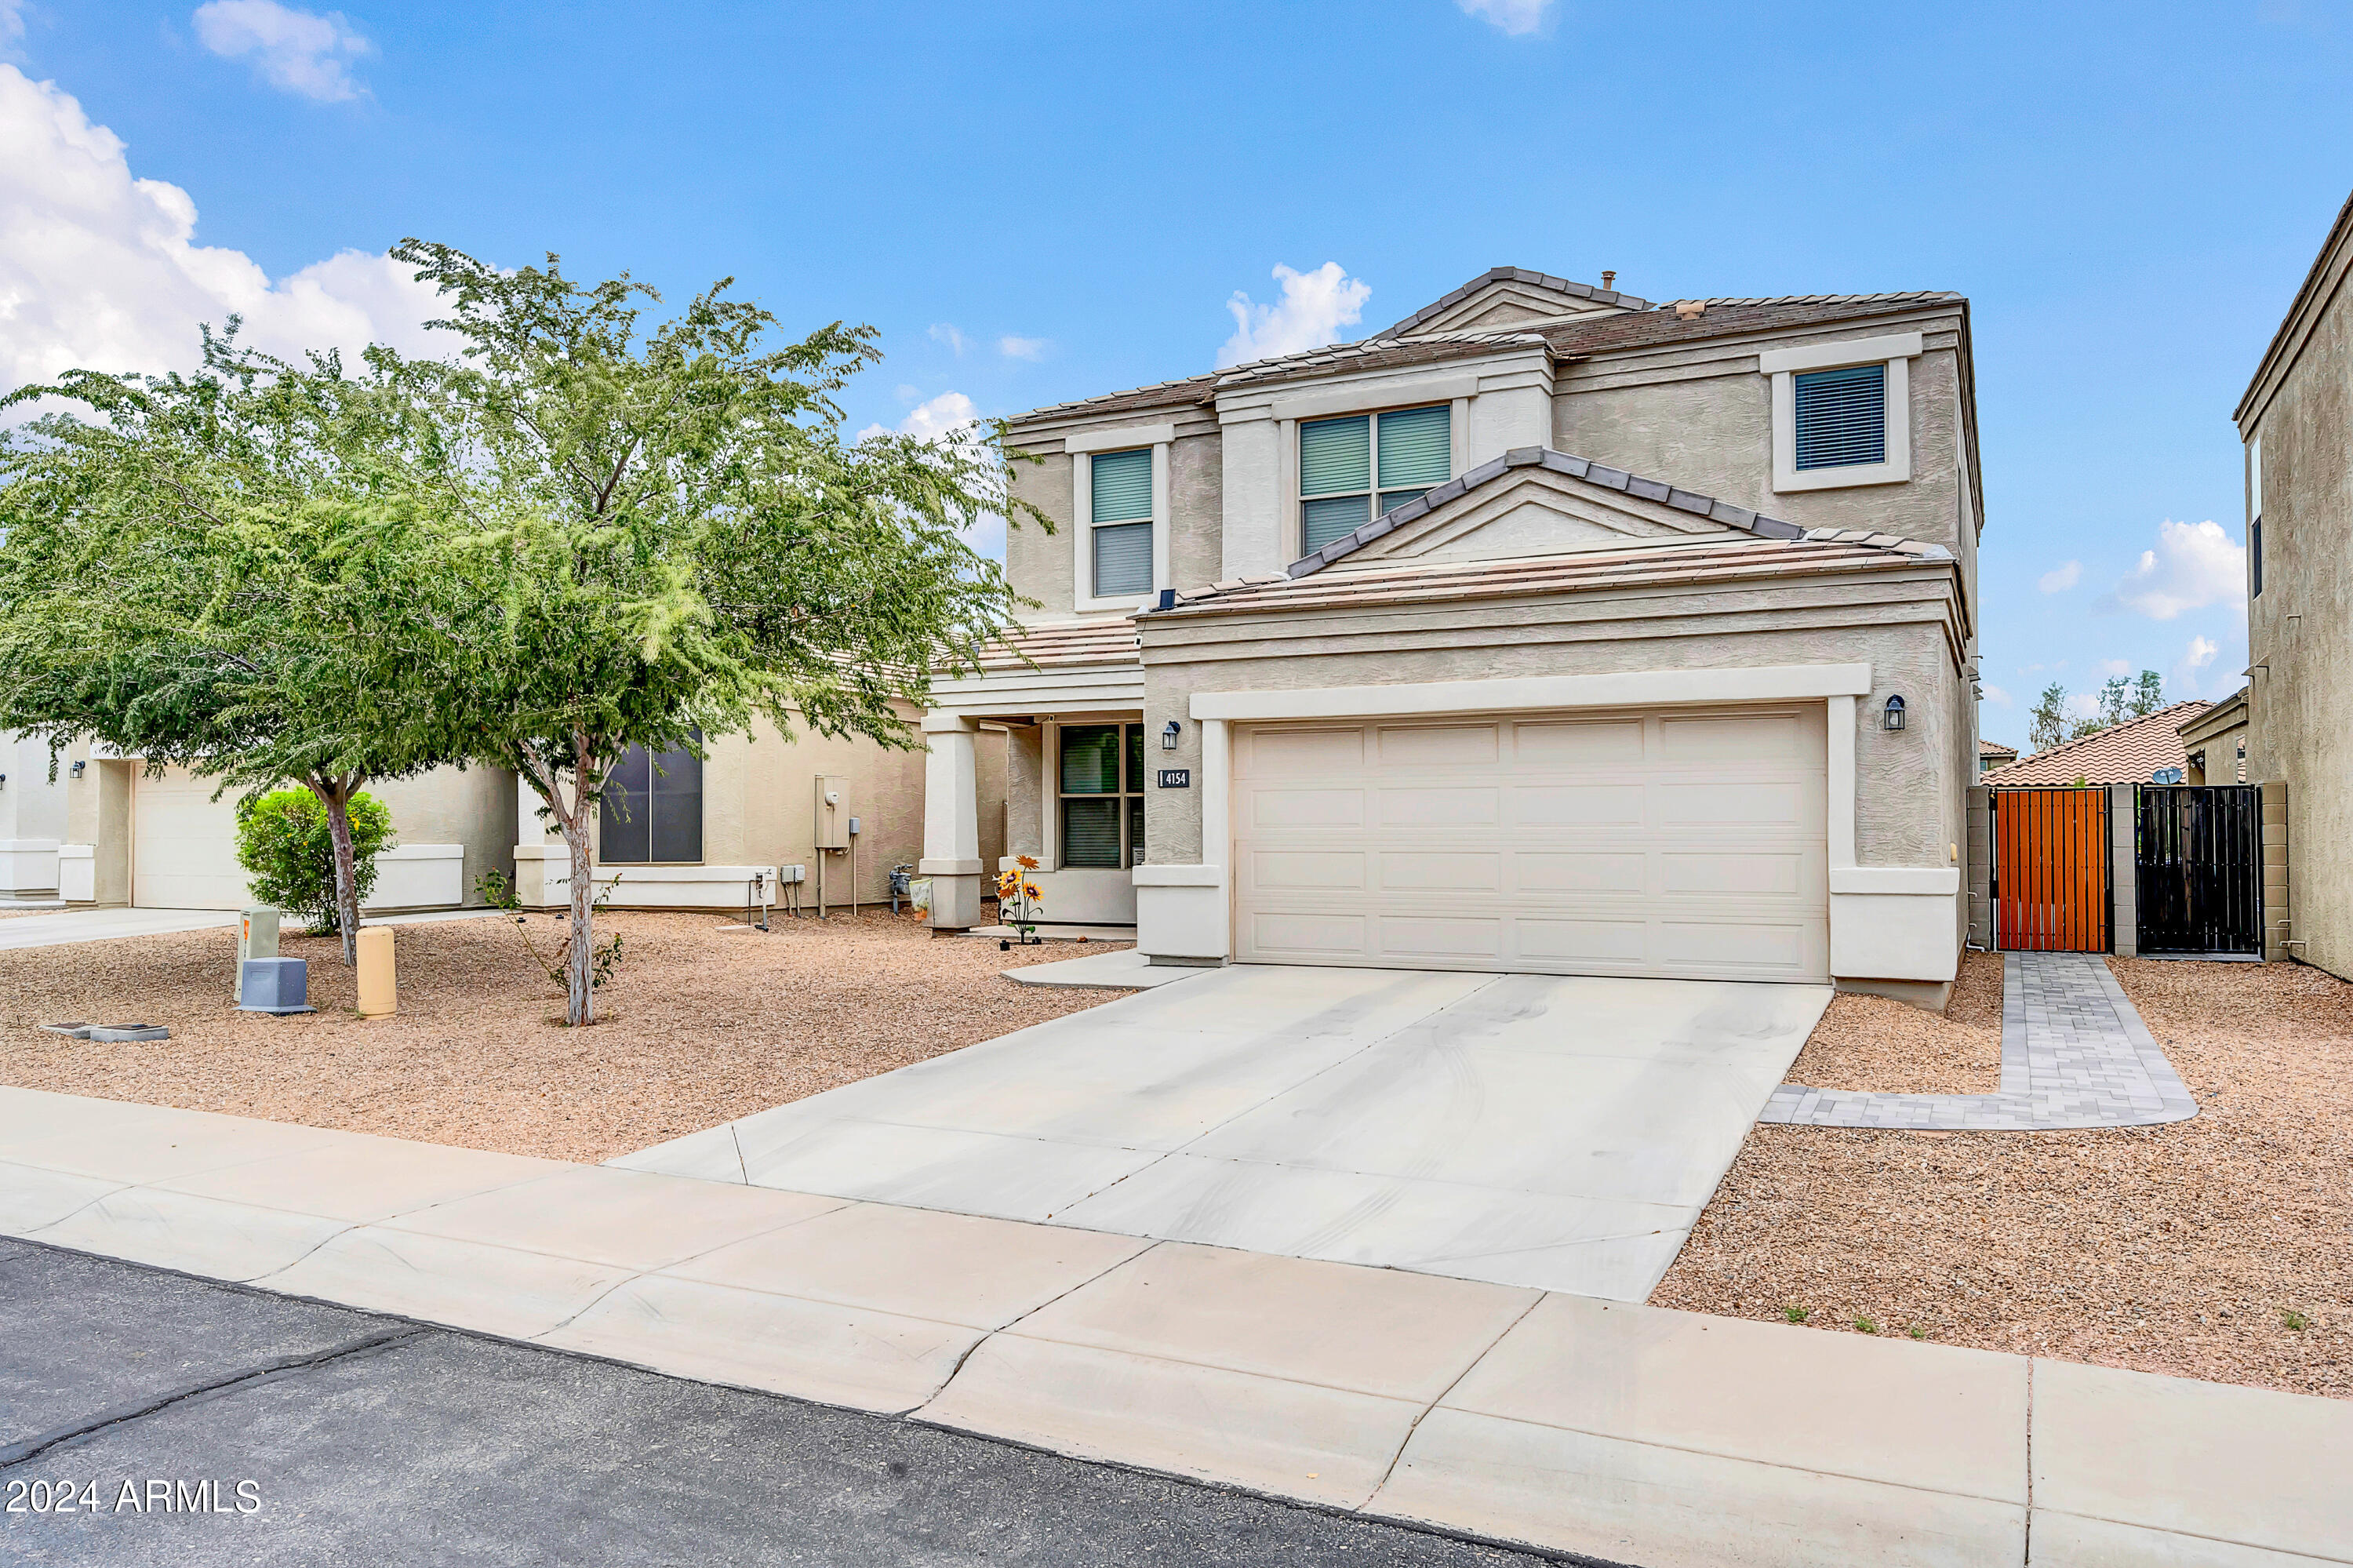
<point>1550,630</point>
<point>116,835</point>
<point>2297,423</point>
<point>2216,742</point>
<point>1992,753</point>
<point>2133,752</point>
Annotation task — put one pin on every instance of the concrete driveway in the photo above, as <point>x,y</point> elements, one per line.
<point>1525,1130</point>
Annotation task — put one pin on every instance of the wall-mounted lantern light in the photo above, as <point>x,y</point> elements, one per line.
<point>1168,734</point>
<point>78,767</point>
<point>1894,716</point>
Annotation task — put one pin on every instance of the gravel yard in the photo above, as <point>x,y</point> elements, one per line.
<point>2221,1247</point>
<point>702,1025</point>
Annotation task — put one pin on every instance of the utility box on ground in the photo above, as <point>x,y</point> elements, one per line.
<point>256,938</point>
<point>274,985</point>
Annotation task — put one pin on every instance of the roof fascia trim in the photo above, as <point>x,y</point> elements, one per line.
<point>1645,688</point>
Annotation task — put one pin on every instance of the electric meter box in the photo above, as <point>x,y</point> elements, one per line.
<point>256,938</point>
<point>832,814</point>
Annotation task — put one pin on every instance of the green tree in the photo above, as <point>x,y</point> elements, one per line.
<point>2149,696</point>
<point>2047,725</point>
<point>284,842</point>
<point>229,571</point>
<point>676,538</point>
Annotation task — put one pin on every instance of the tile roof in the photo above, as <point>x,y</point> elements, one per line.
<point>1106,639</point>
<point>1656,490</point>
<point>1517,275</point>
<point>2125,753</point>
<point>1566,340</point>
<point>1710,559</point>
<point>1995,749</point>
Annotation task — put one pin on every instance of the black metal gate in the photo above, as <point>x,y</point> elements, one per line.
<point>2198,868</point>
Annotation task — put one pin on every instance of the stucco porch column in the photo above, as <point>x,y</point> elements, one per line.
<point>952,822</point>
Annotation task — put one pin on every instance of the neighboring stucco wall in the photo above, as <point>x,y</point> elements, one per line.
<point>1910,808</point>
<point>2300,628</point>
<point>472,807</point>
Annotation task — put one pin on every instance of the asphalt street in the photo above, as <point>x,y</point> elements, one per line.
<point>148,1419</point>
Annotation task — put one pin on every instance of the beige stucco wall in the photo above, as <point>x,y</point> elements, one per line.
<point>1038,563</point>
<point>2300,628</point>
<point>1911,785</point>
<point>474,806</point>
<point>759,805</point>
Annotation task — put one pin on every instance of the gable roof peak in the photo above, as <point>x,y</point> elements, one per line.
<point>1592,298</point>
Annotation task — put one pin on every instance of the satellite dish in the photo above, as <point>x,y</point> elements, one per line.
<point>2166,776</point>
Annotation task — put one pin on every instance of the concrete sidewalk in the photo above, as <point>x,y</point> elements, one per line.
<point>1625,1433</point>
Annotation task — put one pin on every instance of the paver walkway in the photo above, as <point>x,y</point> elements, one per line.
<point>2074,1053</point>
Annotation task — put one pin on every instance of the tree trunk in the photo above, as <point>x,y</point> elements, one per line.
<point>337,799</point>
<point>579,995</point>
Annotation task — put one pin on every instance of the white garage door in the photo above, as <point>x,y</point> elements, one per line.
<point>183,845</point>
<point>1687,843</point>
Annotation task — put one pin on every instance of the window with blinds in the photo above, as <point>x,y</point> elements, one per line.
<point>651,810</point>
<point>1102,789</point>
<point>1122,498</point>
<point>1841,416</point>
<point>1352,470</point>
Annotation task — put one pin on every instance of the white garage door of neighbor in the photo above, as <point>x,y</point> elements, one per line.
<point>183,845</point>
<point>1686,843</point>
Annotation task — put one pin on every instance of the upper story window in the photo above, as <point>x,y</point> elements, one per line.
<point>1102,789</point>
<point>1352,470</point>
<point>1842,411</point>
<point>1120,549</point>
<point>1841,416</point>
<point>651,810</point>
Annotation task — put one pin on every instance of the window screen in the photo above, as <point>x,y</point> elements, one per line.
<point>651,809</point>
<point>1841,416</point>
<point>1121,495</point>
<point>1351,470</point>
<point>1102,783</point>
<point>1123,560</point>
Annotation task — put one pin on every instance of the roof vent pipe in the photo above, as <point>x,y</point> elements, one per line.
<point>1610,282</point>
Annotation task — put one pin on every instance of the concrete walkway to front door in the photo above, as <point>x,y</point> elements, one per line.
<point>1523,1130</point>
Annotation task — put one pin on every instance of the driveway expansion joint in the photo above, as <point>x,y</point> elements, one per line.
<point>2075,1054</point>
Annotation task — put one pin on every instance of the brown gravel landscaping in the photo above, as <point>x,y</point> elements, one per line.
<point>1871,1044</point>
<point>706,1025</point>
<point>2221,1247</point>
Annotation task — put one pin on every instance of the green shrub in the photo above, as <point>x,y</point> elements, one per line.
<point>284,845</point>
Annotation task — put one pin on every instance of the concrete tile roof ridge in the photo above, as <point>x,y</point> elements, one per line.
<point>1517,275</point>
<point>2125,753</point>
<point>1592,473</point>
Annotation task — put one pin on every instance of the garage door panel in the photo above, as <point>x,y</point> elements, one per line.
<point>1278,808</point>
<point>183,845</point>
<point>1431,745</point>
<point>1582,743</point>
<point>1305,870</point>
<point>1590,871</point>
<point>1732,739</point>
<point>1441,871</point>
<point>1577,805</point>
<point>1426,806</point>
<point>1672,844</point>
<point>1302,753</point>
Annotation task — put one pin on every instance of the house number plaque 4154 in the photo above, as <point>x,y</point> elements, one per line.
<point>1176,778</point>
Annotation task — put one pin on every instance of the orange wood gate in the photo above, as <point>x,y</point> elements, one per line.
<point>2050,871</point>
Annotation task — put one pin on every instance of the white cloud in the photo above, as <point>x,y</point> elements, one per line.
<point>1022,347</point>
<point>2193,565</point>
<point>942,331</point>
<point>1313,308</point>
<point>305,54</point>
<point>2083,705</point>
<point>2059,579</point>
<point>949,415</point>
<point>12,27</point>
<point>2188,673</point>
<point>99,269</point>
<point>1995,694</point>
<point>2116,667</point>
<point>1514,16</point>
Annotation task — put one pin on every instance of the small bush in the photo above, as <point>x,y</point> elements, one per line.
<point>283,844</point>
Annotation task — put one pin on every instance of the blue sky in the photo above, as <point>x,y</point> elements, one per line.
<point>1049,201</point>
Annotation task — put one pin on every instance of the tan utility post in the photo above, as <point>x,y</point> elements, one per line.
<point>378,990</point>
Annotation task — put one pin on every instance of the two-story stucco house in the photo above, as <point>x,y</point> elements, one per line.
<point>2296,420</point>
<point>1549,630</point>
